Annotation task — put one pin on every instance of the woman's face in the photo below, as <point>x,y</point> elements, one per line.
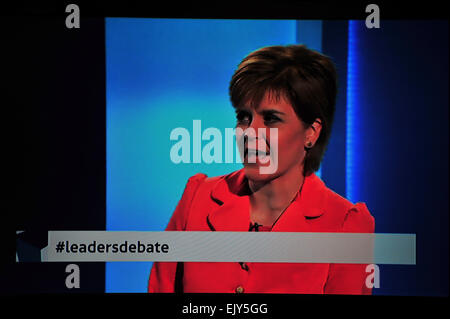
<point>286,149</point>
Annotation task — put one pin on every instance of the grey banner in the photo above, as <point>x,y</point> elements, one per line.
<point>355,248</point>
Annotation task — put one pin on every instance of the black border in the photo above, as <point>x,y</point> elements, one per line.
<point>26,26</point>
<point>323,10</point>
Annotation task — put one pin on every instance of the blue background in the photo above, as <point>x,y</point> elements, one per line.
<point>163,73</point>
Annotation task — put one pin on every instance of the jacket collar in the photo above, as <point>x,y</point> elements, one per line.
<point>232,196</point>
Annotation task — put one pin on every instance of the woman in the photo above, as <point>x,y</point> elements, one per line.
<point>292,89</point>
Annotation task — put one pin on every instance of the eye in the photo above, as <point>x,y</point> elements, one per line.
<point>243,117</point>
<point>271,118</point>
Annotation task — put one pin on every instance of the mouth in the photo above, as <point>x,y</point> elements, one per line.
<point>253,152</point>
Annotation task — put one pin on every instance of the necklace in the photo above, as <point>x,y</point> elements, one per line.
<point>256,225</point>
<point>295,196</point>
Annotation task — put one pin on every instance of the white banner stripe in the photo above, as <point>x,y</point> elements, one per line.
<point>284,247</point>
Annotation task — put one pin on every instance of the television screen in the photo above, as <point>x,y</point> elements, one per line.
<point>292,151</point>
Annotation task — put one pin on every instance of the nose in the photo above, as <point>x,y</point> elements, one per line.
<point>256,128</point>
<point>257,122</point>
<point>256,132</point>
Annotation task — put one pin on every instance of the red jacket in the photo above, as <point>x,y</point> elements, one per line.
<point>214,204</point>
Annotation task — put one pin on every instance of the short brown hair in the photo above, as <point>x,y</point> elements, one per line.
<point>305,77</point>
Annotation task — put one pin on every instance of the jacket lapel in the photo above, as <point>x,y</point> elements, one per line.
<point>308,205</point>
<point>232,212</point>
<point>231,195</point>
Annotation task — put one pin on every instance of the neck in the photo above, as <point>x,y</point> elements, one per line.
<point>270,199</point>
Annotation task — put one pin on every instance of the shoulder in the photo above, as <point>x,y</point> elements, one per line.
<point>351,217</point>
<point>217,189</point>
<point>192,191</point>
<point>200,179</point>
<point>202,183</point>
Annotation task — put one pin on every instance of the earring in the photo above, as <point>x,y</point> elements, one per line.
<point>309,145</point>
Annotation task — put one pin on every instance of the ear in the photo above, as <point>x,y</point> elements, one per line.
<point>313,133</point>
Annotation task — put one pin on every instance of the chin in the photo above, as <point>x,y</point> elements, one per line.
<point>253,173</point>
